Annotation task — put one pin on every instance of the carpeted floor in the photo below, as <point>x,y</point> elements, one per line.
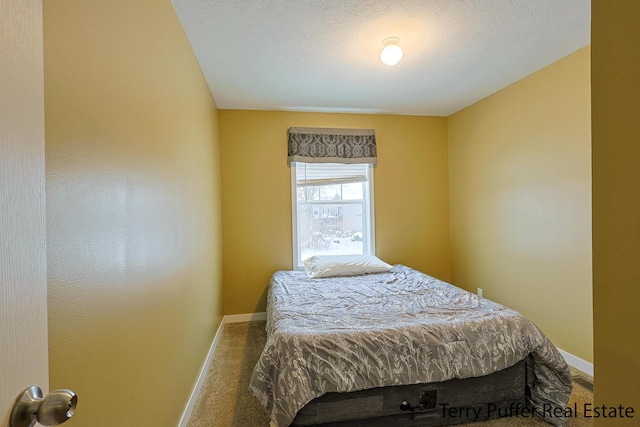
<point>225,400</point>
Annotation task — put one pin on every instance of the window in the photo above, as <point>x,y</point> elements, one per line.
<point>332,210</point>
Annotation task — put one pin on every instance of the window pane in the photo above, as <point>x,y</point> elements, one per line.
<point>331,212</point>
<point>330,229</point>
<point>353,191</point>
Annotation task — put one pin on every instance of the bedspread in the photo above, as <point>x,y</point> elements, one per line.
<point>402,327</point>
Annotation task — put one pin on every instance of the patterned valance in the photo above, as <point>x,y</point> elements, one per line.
<point>326,145</point>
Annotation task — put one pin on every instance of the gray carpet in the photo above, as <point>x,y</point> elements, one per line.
<point>225,400</point>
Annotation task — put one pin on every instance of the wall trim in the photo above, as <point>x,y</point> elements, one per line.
<point>247,317</point>
<point>577,363</point>
<point>201,377</point>
<point>232,318</point>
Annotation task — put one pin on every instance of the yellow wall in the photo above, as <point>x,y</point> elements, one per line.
<point>615,68</point>
<point>520,189</point>
<point>410,192</point>
<point>133,210</point>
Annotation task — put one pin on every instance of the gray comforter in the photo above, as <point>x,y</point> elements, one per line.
<point>402,327</point>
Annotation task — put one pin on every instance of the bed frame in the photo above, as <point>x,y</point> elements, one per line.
<point>451,402</point>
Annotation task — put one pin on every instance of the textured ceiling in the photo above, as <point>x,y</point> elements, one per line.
<point>323,55</point>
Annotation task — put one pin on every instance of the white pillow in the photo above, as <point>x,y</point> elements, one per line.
<point>344,265</point>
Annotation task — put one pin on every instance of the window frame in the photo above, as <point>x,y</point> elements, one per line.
<point>368,244</point>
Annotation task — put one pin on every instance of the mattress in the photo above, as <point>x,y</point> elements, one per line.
<point>346,334</point>
<point>451,402</point>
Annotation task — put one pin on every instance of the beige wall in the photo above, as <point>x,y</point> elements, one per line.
<point>133,210</point>
<point>410,192</point>
<point>520,189</point>
<point>616,204</point>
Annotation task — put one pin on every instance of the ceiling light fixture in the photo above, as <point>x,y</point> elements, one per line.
<point>391,53</point>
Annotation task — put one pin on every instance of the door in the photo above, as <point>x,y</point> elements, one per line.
<point>23,266</point>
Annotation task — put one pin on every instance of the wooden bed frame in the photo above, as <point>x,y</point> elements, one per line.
<point>456,401</point>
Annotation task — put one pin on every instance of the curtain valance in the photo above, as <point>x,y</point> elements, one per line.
<point>328,145</point>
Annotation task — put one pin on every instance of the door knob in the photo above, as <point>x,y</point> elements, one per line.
<point>29,407</point>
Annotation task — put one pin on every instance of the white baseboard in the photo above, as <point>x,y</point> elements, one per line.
<point>577,363</point>
<point>201,377</point>
<point>233,318</point>
<point>247,317</point>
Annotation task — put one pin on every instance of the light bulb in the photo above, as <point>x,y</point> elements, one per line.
<point>391,53</point>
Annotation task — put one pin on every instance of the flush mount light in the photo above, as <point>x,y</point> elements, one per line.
<point>391,53</point>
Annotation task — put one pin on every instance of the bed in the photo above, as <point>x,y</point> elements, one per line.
<point>400,347</point>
